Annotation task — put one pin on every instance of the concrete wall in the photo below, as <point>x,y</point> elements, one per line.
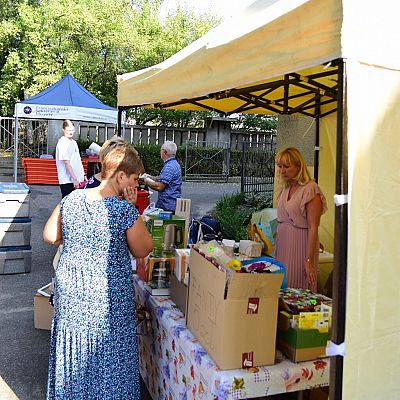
<point>297,132</point>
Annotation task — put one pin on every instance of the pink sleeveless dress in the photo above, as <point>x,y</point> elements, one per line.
<point>292,233</point>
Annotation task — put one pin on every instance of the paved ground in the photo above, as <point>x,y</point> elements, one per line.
<point>24,350</point>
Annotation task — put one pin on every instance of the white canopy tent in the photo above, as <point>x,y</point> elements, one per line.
<point>320,58</point>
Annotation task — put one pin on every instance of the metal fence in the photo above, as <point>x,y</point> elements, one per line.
<point>207,161</point>
<point>258,168</point>
<point>253,152</point>
<point>33,135</point>
<point>6,135</point>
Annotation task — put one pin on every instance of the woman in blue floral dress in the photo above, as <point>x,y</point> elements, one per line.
<point>93,352</point>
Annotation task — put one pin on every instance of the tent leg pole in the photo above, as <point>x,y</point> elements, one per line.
<point>15,169</point>
<point>316,148</point>
<point>119,126</point>
<point>341,236</point>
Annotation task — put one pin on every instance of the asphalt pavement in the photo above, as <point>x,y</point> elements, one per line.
<point>24,350</point>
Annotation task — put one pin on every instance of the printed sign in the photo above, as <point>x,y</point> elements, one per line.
<point>247,360</point>
<point>253,305</point>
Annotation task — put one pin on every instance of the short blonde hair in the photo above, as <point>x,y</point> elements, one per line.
<point>122,158</point>
<point>292,156</point>
<point>112,143</point>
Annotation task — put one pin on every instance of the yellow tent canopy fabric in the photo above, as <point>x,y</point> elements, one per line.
<point>241,65</point>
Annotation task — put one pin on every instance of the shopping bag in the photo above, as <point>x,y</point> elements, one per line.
<point>262,229</point>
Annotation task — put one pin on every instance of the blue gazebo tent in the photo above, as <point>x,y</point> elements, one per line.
<point>65,99</point>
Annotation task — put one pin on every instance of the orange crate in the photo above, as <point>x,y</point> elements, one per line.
<point>43,171</point>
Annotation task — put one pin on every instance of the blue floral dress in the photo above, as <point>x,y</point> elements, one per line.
<point>93,352</point>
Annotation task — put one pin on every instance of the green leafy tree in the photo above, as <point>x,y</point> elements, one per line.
<point>255,122</point>
<point>95,40</point>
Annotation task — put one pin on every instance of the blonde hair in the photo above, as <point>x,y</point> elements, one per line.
<point>122,158</point>
<point>112,143</point>
<point>292,156</point>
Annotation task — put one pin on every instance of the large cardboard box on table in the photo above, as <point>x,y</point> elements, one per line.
<point>236,321</point>
<point>42,309</point>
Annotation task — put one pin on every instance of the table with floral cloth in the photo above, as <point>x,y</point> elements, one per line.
<point>175,366</point>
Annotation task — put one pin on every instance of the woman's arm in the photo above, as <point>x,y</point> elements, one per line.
<point>52,232</point>
<point>314,211</point>
<point>71,172</point>
<point>139,239</point>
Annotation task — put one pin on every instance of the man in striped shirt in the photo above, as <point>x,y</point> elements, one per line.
<point>169,183</point>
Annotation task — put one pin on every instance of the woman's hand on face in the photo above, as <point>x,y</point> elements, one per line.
<point>130,194</point>
<point>311,272</point>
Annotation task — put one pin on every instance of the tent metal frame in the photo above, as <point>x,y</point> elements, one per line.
<point>312,86</point>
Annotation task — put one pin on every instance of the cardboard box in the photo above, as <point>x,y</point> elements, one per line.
<point>181,267</point>
<point>300,344</point>
<point>154,263</point>
<point>179,293</point>
<point>234,322</point>
<point>155,226</point>
<point>250,248</point>
<point>146,265</point>
<point>42,309</point>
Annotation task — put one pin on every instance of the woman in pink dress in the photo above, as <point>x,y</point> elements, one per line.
<point>300,206</point>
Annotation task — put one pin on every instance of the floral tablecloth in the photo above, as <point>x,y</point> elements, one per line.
<point>175,366</point>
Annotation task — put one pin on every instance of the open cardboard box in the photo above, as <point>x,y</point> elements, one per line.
<point>179,293</point>
<point>235,322</point>
<point>42,309</point>
<point>300,344</point>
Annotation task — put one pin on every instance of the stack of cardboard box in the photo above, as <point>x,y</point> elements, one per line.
<point>304,324</point>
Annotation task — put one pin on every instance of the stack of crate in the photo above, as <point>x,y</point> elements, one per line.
<point>15,228</point>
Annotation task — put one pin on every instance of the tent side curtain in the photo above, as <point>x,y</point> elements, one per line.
<point>260,46</point>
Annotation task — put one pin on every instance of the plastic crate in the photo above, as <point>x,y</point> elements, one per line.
<point>15,232</point>
<point>14,200</point>
<point>15,260</point>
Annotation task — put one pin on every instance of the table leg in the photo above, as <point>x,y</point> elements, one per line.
<point>300,395</point>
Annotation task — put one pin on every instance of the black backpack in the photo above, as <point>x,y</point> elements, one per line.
<point>206,227</point>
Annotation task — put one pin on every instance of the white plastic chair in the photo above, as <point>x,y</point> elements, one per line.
<point>182,209</point>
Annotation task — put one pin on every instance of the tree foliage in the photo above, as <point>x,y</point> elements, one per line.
<point>95,40</point>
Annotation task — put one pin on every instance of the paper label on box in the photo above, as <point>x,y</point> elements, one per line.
<point>158,222</point>
<point>247,360</point>
<point>314,320</point>
<point>252,305</point>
